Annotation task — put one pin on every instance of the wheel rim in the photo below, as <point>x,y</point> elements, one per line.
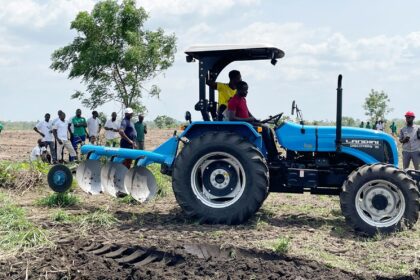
<point>59,178</point>
<point>218,179</point>
<point>380,203</point>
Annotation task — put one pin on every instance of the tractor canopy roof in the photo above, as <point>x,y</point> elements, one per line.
<point>221,55</point>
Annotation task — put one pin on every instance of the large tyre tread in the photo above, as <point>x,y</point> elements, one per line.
<point>255,159</point>
<point>347,203</point>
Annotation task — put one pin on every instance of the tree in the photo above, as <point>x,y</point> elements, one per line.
<point>377,105</point>
<point>114,55</point>
<point>348,121</point>
<point>165,122</point>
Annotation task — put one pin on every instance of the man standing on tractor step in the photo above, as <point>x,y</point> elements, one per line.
<point>112,127</point>
<point>44,128</point>
<point>226,91</point>
<point>128,134</point>
<point>410,138</point>
<point>60,129</point>
<point>94,127</point>
<point>141,130</point>
<point>78,135</point>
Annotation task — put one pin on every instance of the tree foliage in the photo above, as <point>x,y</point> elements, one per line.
<point>114,55</point>
<point>165,122</point>
<point>377,105</point>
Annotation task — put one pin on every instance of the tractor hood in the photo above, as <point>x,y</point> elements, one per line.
<point>368,145</point>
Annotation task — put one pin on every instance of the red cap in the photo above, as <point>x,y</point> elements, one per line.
<point>410,114</point>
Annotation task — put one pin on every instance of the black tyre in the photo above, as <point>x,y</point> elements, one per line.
<point>60,178</point>
<point>379,198</point>
<point>220,178</point>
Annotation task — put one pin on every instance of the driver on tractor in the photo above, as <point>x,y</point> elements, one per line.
<point>226,91</point>
<point>238,111</point>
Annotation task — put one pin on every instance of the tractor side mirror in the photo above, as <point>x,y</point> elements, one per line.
<point>188,116</point>
<point>293,107</point>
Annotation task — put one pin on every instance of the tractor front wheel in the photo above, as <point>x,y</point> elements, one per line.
<point>379,198</point>
<point>220,178</point>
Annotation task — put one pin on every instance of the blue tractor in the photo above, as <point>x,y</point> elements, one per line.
<point>222,171</point>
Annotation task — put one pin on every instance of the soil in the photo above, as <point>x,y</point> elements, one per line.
<point>80,259</point>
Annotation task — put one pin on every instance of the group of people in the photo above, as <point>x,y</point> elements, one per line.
<point>62,134</point>
<point>380,125</point>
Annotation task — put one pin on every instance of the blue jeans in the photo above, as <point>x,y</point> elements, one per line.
<point>76,140</point>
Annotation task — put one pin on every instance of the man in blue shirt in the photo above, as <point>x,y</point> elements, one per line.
<point>128,134</point>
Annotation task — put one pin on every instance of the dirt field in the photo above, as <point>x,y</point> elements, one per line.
<point>291,237</point>
<point>17,145</point>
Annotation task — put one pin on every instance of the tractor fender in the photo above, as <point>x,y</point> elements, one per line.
<point>366,158</point>
<point>243,129</point>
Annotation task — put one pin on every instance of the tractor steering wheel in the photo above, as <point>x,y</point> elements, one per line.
<point>273,119</point>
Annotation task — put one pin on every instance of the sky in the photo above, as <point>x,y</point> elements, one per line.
<point>373,44</point>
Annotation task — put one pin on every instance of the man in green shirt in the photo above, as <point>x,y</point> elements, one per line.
<point>78,133</point>
<point>141,130</point>
<point>362,125</point>
<point>393,128</point>
<point>368,125</point>
<point>1,127</point>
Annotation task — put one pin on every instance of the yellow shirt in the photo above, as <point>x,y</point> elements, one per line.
<point>225,93</point>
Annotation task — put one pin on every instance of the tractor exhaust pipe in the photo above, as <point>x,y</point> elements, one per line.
<point>338,140</point>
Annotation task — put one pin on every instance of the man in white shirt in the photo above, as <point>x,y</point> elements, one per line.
<point>60,130</point>
<point>94,127</point>
<point>39,152</point>
<point>111,131</point>
<point>380,125</point>
<point>44,128</point>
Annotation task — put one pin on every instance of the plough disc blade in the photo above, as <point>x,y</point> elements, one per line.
<point>140,183</point>
<point>88,175</point>
<point>112,178</point>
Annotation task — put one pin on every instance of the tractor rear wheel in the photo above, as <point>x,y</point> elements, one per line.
<point>379,198</point>
<point>220,178</point>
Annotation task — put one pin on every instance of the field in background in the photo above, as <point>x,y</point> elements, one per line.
<point>17,145</point>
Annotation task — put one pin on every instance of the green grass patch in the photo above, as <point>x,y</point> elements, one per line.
<point>62,216</point>
<point>16,231</point>
<point>164,182</point>
<point>100,217</point>
<point>58,200</point>
<point>128,199</point>
<point>281,245</point>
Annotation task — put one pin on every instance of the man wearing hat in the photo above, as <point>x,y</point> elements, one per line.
<point>410,139</point>
<point>128,134</point>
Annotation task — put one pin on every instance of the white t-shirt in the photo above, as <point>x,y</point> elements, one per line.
<point>109,134</point>
<point>62,128</point>
<point>37,152</point>
<point>46,129</point>
<point>93,126</point>
<point>380,126</point>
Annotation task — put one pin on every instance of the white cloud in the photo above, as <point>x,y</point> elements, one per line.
<point>184,7</point>
<point>35,14</point>
<point>319,51</point>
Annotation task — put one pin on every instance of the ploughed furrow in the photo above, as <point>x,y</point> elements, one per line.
<point>135,256</point>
